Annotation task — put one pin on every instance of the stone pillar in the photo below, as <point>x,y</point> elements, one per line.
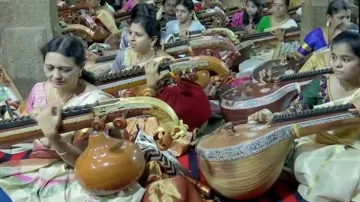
<point>24,27</point>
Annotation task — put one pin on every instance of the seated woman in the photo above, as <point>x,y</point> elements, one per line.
<point>48,174</point>
<point>251,16</point>
<point>329,159</point>
<point>104,15</point>
<point>67,85</point>
<point>141,9</point>
<point>279,18</point>
<point>166,12</point>
<point>338,11</point>
<point>319,59</point>
<point>322,59</point>
<point>144,34</point>
<point>186,20</point>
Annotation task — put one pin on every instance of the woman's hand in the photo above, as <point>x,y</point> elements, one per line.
<point>266,75</point>
<point>184,35</point>
<point>250,28</point>
<point>279,34</point>
<point>152,74</point>
<point>263,116</point>
<point>49,119</point>
<point>356,103</point>
<point>288,58</point>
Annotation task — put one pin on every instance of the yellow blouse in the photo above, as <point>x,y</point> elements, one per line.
<point>316,61</point>
<point>130,58</point>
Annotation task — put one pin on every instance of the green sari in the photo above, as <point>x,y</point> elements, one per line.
<point>265,24</point>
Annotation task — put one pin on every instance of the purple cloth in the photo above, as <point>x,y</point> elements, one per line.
<point>129,5</point>
<point>238,19</point>
<point>315,40</point>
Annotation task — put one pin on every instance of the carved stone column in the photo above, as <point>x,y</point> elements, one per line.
<point>24,27</point>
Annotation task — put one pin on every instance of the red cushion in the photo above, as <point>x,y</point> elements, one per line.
<point>189,102</point>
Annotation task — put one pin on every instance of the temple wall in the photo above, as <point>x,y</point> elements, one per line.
<point>25,25</point>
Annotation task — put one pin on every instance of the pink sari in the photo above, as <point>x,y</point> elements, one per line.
<point>44,177</point>
<point>129,5</point>
<point>38,98</point>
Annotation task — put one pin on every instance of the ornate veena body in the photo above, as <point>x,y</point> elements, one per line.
<point>244,161</point>
<point>240,102</point>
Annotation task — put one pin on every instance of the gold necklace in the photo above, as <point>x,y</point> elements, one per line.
<point>146,60</point>
<point>57,96</point>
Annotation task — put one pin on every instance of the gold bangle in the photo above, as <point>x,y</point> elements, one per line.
<point>149,92</point>
<point>64,153</point>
